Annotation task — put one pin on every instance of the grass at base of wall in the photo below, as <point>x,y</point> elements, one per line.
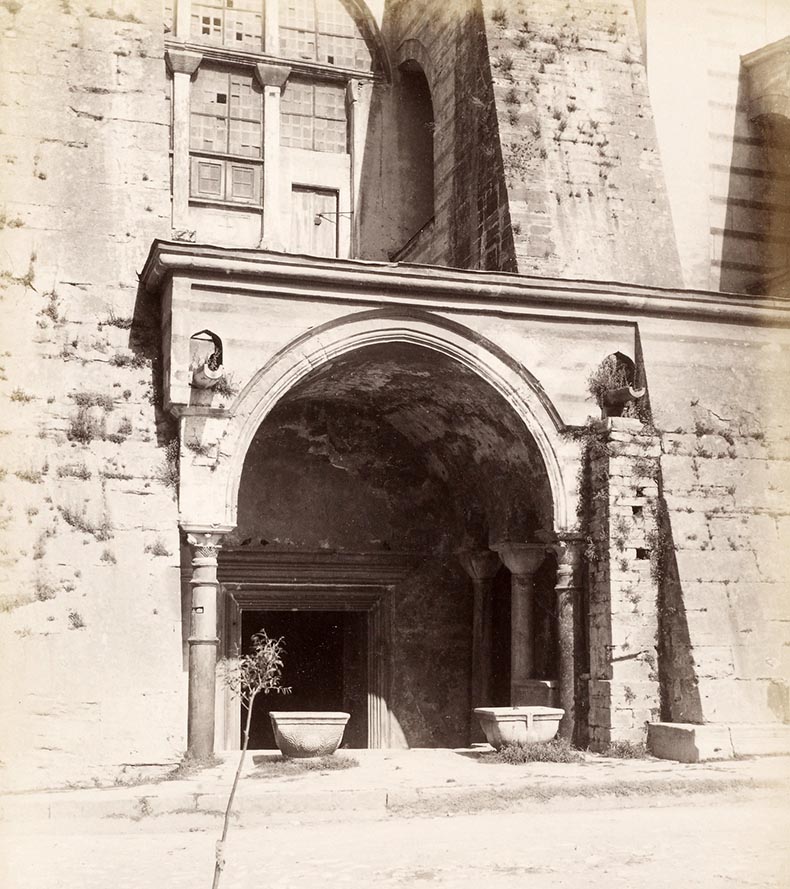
<point>556,750</point>
<point>284,767</point>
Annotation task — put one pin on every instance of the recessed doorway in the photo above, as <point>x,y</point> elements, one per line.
<point>325,665</point>
<point>334,612</point>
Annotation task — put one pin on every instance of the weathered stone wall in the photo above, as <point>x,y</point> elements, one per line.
<point>621,502</point>
<point>720,406</point>
<point>582,169</point>
<point>91,621</point>
<point>546,156</point>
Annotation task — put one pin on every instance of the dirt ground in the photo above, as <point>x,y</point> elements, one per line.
<point>729,840</point>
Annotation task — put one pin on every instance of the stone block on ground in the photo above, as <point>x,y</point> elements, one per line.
<point>685,742</point>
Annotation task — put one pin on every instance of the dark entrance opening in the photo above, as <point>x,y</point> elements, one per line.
<point>325,664</point>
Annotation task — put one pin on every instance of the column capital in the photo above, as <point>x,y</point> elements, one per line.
<point>183,61</point>
<point>521,559</point>
<point>270,74</point>
<point>569,548</point>
<point>479,564</point>
<point>206,539</point>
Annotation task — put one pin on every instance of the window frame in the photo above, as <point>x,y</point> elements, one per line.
<point>224,14</point>
<point>314,84</point>
<point>226,160</point>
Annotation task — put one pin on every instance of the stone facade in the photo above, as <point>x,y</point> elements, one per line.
<point>556,171</point>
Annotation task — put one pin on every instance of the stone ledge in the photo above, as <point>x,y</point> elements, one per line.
<point>688,742</point>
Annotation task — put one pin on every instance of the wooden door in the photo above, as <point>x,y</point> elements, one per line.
<point>314,221</point>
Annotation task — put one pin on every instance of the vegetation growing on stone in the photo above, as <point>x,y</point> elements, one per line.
<point>556,750</point>
<point>626,750</point>
<point>157,548</point>
<point>76,621</point>
<point>168,471</point>
<point>34,476</point>
<point>76,516</point>
<point>74,470</point>
<point>123,359</point>
<point>89,399</point>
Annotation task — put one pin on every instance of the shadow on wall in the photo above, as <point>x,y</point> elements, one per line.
<point>677,675</point>
<point>145,344</point>
<point>755,242</point>
<point>397,189</point>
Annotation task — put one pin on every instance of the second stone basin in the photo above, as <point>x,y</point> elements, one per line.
<point>519,725</point>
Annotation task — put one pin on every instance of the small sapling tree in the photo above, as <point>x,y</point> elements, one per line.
<point>259,672</point>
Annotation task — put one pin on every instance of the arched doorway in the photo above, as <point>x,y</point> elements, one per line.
<point>387,454</point>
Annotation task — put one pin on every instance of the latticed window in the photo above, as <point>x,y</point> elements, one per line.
<point>323,31</point>
<point>313,116</point>
<point>232,23</point>
<point>226,128</point>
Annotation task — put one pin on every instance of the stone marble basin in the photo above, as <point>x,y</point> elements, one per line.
<point>304,733</point>
<point>519,725</point>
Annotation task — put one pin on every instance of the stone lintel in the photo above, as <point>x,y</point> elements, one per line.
<point>270,74</point>
<point>183,61</point>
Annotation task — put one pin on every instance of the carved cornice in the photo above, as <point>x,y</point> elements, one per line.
<point>384,284</point>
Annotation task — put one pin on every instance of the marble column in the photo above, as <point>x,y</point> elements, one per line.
<point>522,560</point>
<point>569,566</point>
<point>202,640</point>
<point>481,565</point>
<point>272,79</point>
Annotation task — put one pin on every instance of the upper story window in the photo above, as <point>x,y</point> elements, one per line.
<point>323,31</point>
<point>232,23</point>
<point>226,137</point>
<point>313,116</point>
